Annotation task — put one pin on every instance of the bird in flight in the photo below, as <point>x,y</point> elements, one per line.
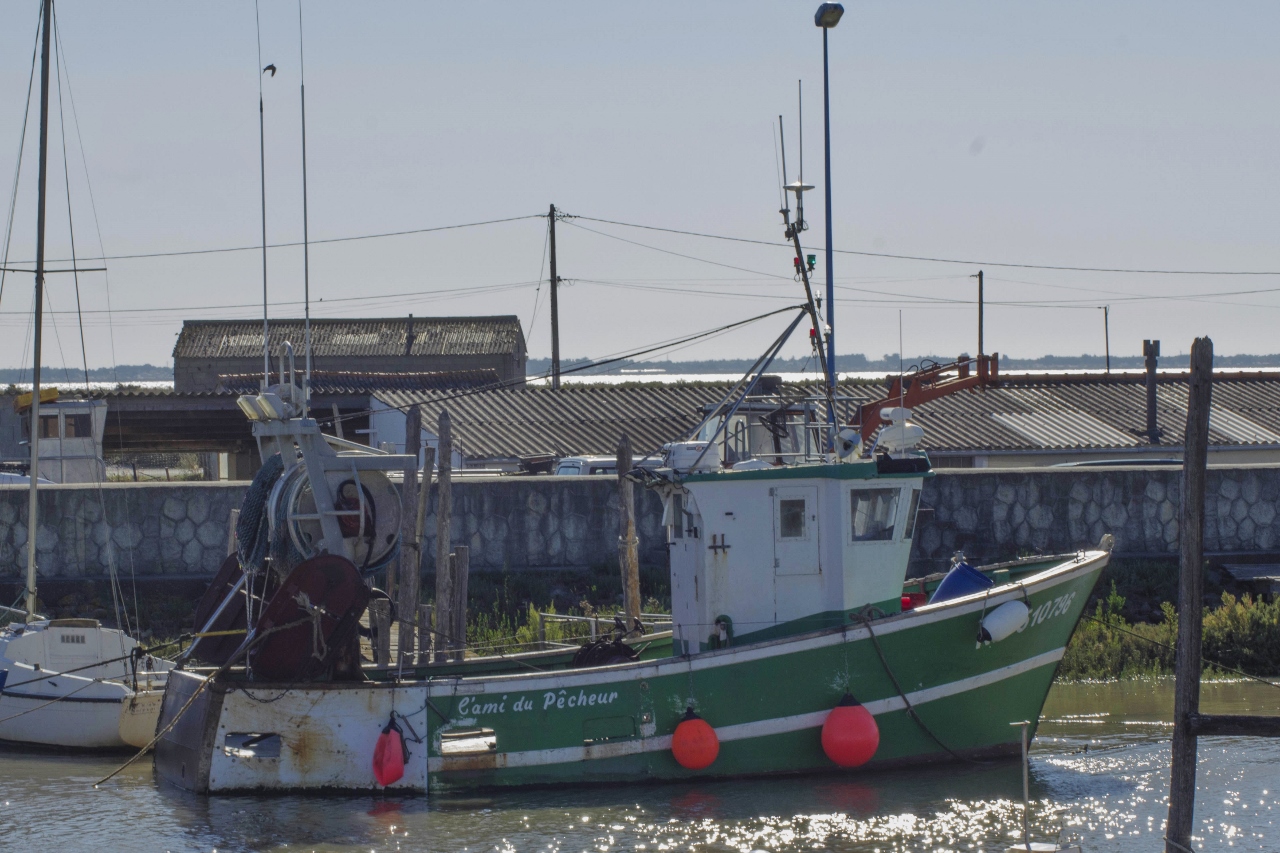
<point>271,68</point>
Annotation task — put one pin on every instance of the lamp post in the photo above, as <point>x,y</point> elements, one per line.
<point>827,16</point>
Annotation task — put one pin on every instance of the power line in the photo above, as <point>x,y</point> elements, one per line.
<point>929,259</point>
<point>294,243</point>
<point>414,294</point>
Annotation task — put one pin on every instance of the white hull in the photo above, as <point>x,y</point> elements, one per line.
<point>316,738</point>
<point>86,714</point>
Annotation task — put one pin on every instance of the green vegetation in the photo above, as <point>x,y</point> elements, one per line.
<point>1241,633</point>
<point>504,606</point>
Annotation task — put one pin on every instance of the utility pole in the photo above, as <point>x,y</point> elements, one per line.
<point>1106,332</point>
<point>979,278</point>
<point>555,305</point>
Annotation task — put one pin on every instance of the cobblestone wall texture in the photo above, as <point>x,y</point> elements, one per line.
<point>180,529</point>
<point>152,529</point>
<point>991,515</point>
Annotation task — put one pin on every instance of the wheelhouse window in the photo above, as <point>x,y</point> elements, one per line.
<point>791,513</point>
<point>78,426</point>
<point>873,513</point>
<point>912,509</point>
<point>49,426</point>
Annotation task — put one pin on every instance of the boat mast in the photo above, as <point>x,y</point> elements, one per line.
<point>34,472</point>
<point>306,263</point>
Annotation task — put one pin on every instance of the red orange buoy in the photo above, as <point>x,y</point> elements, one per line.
<point>388,755</point>
<point>850,735</point>
<point>694,743</point>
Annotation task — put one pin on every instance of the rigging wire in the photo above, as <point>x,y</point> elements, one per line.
<point>22,140</point>
<point>573,368</point>
<point>66,180</point>
<point>928,259</point>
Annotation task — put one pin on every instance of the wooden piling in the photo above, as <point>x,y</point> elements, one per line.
<point>337,422</point>
<point>410,548</point>
<point>444,518</point>
<point>380,622</point>
<point>411,598</point>
<point>1186,702</point>
<point>232,521</point>
<point>460,566</point>
<point>426,632</point>
<point>628,544</point>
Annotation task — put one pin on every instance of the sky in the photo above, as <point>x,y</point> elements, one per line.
<point>1136,135</point>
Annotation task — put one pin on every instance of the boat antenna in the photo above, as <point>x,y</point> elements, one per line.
<point>782,141</point>
<point>306,260</point>
<point>799,197</point>
<point>792,233</point>
<point>901,390</point>
<point>33,474</point>
<point>262,172</point>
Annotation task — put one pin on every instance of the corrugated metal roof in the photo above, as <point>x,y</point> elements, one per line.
<point>1097,412</point>
<point>367,337</point>
<point>575,420</point>
<point>1018,415</point>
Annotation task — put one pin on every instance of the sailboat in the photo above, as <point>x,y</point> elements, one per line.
<point>798,643</point>
<point>68,682</point>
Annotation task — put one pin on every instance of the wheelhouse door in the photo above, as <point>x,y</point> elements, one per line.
<point>795,531</point>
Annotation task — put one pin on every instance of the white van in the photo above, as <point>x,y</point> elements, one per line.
<point>576,465</point>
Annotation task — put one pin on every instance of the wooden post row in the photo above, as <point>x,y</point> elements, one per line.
<point>628,544</point>
<point>444,518</point>
<point>460,568</point>
<point>410,551</point>
<point>1187,664</point>
<point>380,622</point>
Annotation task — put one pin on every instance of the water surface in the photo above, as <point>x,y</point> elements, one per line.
<point>1099,775</point>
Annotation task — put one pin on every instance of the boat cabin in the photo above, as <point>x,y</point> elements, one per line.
<point>769,536</point>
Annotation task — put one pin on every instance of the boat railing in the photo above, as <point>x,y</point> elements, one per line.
<point>650,622</point>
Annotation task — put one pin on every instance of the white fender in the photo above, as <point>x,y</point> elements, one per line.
<point>1007,619</point>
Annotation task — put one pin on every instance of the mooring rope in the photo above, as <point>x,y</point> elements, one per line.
<point>50,702</point>
<point>865,621</point>
<point>240,652</point>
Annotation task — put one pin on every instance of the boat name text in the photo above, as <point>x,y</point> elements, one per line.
<point>557,699</point>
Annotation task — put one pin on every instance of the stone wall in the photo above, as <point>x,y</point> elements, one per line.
<point>992,515</point>
<point>180,529</point>
<point>167,529</point>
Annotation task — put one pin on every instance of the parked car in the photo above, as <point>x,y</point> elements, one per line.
<point>10,479</point>
<point>575,465</point>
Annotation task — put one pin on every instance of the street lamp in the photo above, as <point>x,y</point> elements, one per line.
<point>827,16</point>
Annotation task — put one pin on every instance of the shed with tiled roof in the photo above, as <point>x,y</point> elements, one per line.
<point>207,349</point>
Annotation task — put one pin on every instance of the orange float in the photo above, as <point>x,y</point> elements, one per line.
<point>694,743</point>
<point>850,735</point>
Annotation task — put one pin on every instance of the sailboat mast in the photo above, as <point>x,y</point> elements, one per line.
<point>34,473</point>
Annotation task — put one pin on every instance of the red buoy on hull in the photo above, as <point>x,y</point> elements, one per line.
<point>388,755</point>
<point>850,736</point>
<point>694,743</point>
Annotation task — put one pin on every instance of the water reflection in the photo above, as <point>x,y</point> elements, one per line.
<point>1099,771</point>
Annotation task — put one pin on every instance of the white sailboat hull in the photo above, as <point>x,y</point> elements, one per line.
<point>61,710</point>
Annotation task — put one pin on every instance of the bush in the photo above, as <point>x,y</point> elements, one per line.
<point>1241,633</point>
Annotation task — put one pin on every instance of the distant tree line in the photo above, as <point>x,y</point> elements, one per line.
<point>64,375</point>
<point>889,363</point>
